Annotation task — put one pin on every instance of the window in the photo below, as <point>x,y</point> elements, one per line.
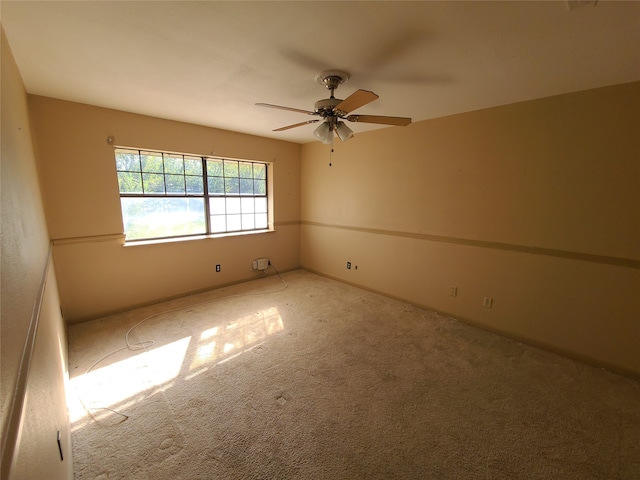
<point>173,195</point>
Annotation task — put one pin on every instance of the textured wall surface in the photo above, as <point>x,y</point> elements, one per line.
<point>535,205</point>
<point>97,274</point>
<point>33,351</point>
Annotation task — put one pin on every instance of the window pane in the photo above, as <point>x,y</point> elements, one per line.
<point>216,185</point>
<point>259,170</point>
<point>194,185</point>
<point>248,222</point>
<point>175,184</point>
<point>218,224</point>
<point>233,205</point>
<point>151,163</point>
<point>246,186</point>
<point>261,204</point>
<point>233,223</point>
<point>173,165</point>
<point>231,186</point>
<point>247,205</point>
<point>260,187</point>
<point>162,217</point>
<point>193,166</point>
<point>130,182</point>
<point>153,183</point>
<point>262,220</point>
<point>230,168</point>
<point>246,170</point>
<point>217,206</point>
<point>214,168</point>
<point>128,161</point>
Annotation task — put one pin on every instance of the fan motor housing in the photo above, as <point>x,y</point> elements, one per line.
<point>326,106</point>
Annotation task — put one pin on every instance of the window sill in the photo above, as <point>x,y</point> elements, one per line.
<point>156,241</point>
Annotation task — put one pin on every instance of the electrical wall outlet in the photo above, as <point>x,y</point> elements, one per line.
<point>453,291</point>
<point>218,268</point>
<point>487,302</point>
<point>348,265</point>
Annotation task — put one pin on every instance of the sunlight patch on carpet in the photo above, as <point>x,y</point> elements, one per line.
<point>113,384</point>
<point>111,389</point>
<point>219,343</point>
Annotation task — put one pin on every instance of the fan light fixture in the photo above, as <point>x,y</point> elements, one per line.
<point>325,130</point>
<point>324,133</point>
<point>343,131</point>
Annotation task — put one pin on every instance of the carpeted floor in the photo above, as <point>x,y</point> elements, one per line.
<point>321,380</point>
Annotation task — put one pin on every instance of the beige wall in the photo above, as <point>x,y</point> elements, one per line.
<point>45,409</point>
<point>97,275</point>
<point>33,342</point>
<point>535,204</point>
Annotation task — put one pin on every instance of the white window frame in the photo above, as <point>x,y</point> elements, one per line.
<point>235,194</point>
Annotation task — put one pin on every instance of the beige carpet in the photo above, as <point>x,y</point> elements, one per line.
<point>325,381</point>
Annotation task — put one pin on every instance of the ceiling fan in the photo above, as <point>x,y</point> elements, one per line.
<point>334,110</point>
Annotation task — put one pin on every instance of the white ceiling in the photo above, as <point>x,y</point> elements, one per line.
<point>209,62</point>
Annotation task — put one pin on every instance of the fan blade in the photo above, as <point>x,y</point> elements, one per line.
<point>295,125</point>
<point>399,121</point>
<point>285,108</point>
<point>355,100</point>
